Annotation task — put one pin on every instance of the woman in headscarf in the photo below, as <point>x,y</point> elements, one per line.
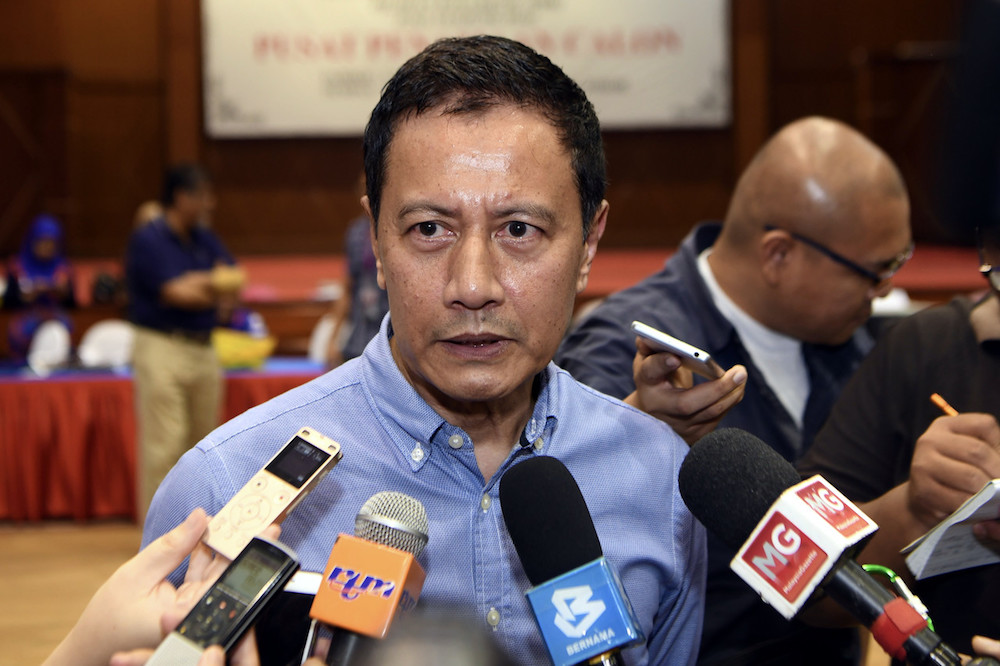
<point>39,284</point>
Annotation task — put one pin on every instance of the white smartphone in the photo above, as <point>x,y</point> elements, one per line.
<point>230,607</point>
<point>696,360</point>
<point>272,492</point>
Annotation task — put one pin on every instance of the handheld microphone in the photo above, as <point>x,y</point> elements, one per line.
<point>373,576</point>
<point>796,537</point>
<point>577,599</point>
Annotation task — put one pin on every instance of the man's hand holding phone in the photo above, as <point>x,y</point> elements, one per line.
<point>665,387</point>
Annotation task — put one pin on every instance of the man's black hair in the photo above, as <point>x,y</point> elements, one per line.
<point>471,74</point>
<point>184,177</point>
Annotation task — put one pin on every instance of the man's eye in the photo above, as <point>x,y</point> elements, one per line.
<point>427,228</point>
<point>517,229</point>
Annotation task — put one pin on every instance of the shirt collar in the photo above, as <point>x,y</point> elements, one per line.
<point>416,428</point>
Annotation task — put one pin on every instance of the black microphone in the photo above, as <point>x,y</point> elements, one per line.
<point>578,601</point>
<point>730,480</point>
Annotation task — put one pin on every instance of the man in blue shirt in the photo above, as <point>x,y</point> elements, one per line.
<point>179,275</point>
<point>778,293</point>
<point>485,184</point>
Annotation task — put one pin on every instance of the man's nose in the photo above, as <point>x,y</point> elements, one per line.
<point>881,289</point>
<point>474,281</point>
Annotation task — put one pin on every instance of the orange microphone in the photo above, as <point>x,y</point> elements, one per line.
<point>373,576</point>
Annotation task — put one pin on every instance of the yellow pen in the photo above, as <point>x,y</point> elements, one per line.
<point>943,404</point>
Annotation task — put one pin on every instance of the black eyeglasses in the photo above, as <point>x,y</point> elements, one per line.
<point>891,267</point>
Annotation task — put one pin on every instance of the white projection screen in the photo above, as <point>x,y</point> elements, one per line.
<point>282,68</point>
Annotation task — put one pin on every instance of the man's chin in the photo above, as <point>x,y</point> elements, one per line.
<point>478,387</point>
<point>479,391</point>
<point>836,340</point>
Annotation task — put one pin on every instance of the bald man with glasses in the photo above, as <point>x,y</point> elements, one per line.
<point>778,293</point>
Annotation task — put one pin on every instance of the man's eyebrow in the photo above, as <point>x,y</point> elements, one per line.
<point>535,211</point>
<point>424,208</point>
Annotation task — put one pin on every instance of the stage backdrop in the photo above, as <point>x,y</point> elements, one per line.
<point>316,67</point>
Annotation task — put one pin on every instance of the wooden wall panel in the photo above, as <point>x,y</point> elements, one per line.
<point>33,150</point>
<point>298,195</point>
<point>181,29</point>
<point>112,40</point>
<point>31,35</point>
<point>83,78</point>
<point>116,157</point>
<point>751,52</point>
<point>662,183</point>
<point>880,66</point>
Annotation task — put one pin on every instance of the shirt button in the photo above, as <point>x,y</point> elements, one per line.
<point>456,441</point>
<point>485,502</point>
<point>417,454</point>
<point>539,443</point>
<point>493,618</point>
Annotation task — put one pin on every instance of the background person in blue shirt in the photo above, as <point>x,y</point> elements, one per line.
<point>181,283</point>
<point>485,184</point>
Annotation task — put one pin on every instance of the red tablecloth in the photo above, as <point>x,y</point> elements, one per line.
<point>67,445</point>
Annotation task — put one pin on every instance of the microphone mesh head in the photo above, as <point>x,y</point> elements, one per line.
<point>395,520</point>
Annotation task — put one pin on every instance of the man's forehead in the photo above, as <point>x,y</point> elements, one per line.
<point>482,160</point>
<point>510,135</point>
<point>465,119</point>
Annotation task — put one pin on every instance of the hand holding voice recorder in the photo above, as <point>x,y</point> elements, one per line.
<point>231,605</point>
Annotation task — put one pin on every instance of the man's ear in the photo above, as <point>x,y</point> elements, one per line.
<point>373,236</point>
<point>775,249</point>
<point>590,245</point>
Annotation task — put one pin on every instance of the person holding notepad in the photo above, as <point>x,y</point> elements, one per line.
<point>911,461</point>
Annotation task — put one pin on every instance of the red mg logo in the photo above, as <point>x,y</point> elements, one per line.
<point>826,504</point>
<point>787,559</point>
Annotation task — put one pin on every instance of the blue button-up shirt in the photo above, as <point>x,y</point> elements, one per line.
<point>625,462</point>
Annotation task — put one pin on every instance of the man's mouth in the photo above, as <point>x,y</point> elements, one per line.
<point>475,341</point>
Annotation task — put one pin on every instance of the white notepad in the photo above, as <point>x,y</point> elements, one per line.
<point>950,545</point>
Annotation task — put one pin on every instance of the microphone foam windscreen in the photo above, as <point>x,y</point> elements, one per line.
<point>547,518</point>
<point>393,519</point>
<point>730,479</point>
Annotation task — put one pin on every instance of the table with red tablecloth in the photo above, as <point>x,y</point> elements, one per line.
<point>67,442</point>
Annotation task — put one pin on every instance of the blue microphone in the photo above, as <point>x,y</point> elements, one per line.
<point>579,603</point>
